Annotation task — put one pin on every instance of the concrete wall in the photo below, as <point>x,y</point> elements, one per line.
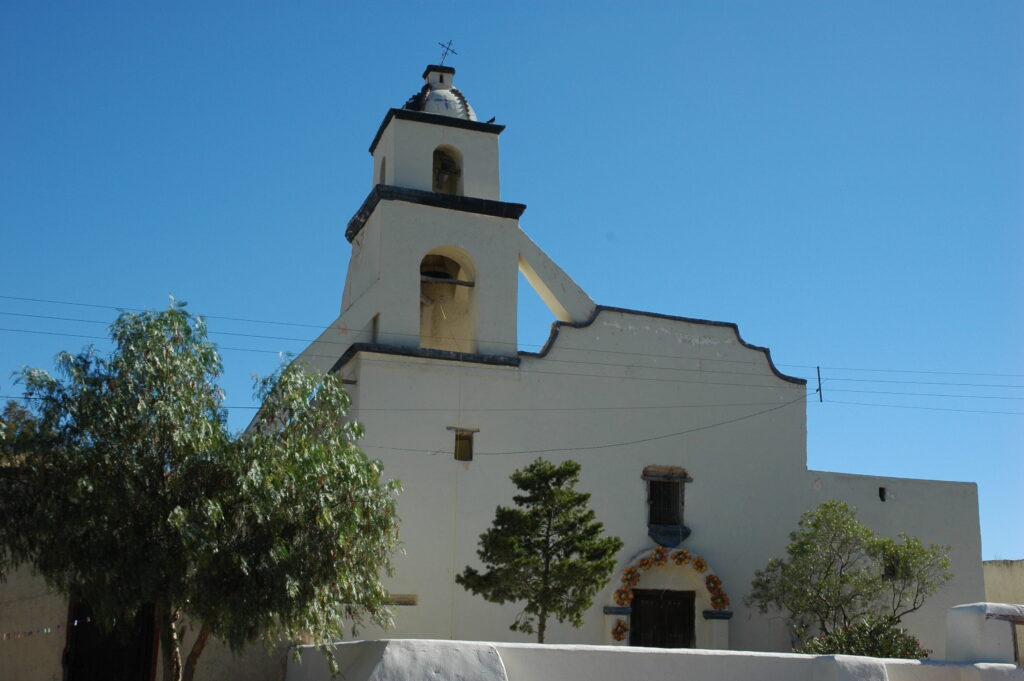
<point>1004,581</point>
<point>410,660</point>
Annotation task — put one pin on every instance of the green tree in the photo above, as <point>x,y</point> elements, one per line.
<point>124,488</point>
<point>548,551</point>
<point>869,636</point>
<point>838,573</point>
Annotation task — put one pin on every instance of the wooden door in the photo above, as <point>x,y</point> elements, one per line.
<point>662,618</point>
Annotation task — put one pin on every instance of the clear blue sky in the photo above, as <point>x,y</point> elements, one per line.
<point>844,180</point>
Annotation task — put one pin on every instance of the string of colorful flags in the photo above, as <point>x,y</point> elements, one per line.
<point>45,630</point>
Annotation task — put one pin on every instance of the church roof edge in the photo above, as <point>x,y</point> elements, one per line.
<point>426,353</point>
<point>468,204</point>
<point>555,326</point>
<point>433,119</point>
<point>513,361</point>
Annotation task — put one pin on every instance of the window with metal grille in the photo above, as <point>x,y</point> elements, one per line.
<point>665,493</point>
<point>666,502</point>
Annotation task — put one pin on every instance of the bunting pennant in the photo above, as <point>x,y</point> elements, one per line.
<point>8,636</point>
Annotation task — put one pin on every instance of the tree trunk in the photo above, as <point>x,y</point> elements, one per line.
<point>167,616</point>
<point>197,650</point>
<point>545,579</point>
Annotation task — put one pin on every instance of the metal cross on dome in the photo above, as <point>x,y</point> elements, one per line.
<point>447,49</point>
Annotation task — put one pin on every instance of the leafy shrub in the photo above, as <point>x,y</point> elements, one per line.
<point>872,637</point>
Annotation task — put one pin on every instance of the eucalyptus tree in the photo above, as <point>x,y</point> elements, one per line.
<point>123,488</point>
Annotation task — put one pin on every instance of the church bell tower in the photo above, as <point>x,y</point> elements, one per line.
<point>434,249</point>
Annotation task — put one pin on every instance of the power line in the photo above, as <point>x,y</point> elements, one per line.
<point>630,407</point>
<point>601,376</point>
<point>891,392</point>
<point>608,444</point>
<point>578,362</point>
<point>532,371</point>
<point>138,309</point>
<point>905,371</point>
<point>609,408</point>
<point>348,343</point>
<point>911,406</point>
<point>560,346</point>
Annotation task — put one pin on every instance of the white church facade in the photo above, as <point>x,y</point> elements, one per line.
<point>692,442</point>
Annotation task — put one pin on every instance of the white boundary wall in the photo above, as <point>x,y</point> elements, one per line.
<point>415,659</point>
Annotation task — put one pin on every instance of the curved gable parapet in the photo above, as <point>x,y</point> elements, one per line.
<point>556,327</point>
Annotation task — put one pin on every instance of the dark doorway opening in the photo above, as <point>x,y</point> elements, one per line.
<point>662,619</point>
<point>127,652</point>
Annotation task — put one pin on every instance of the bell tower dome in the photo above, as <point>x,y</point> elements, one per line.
<point>435,143</point>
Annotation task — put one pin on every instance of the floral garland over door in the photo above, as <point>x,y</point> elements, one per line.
<point>656,558</point>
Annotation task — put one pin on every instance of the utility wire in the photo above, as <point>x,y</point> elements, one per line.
<point>611,408</point>
<point>631,407</point>
<point>891,392</point>
<point>610,444</point>
<point>603,376</point>
<point>601,364</point>
<point>348,343</point>
<point>532,371</point>
<point>911,406</point>
<point>138,309</point>
<point>905,371</point>
<point>560,346</point>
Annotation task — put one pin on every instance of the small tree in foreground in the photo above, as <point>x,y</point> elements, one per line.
<point>121,486</point>
<point>548,551</point>
<point>838,574</point>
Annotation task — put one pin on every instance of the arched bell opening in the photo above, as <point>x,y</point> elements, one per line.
<point>447,170</point>
<point>447,305</point>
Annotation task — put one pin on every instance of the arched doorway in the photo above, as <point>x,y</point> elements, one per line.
<point>670,598</point>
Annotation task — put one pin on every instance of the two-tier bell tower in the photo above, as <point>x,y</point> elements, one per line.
<point>435,252</point>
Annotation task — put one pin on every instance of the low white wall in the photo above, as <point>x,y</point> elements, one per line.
<point>977,632</point>
<point>409,659</point>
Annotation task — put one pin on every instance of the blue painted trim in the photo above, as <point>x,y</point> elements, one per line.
<point>718,614</point>
<point>669,536</point>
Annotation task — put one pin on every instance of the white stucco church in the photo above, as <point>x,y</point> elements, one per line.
<point>692,445</point>
<point>689,437</point>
